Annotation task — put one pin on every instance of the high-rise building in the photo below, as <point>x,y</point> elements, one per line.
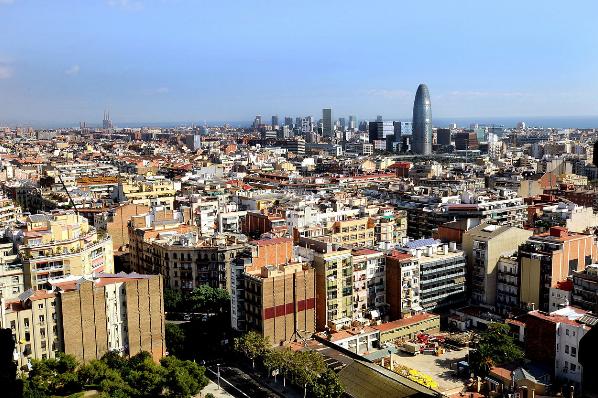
<point>352,122</point>
<point>257,121</point>
<point>288,121</point>
<point>274,121</point>
<point>422,122</point>
<point>379,130</point>
<point>401,129</point>
<point>342,122</point>
<point>327,129</point>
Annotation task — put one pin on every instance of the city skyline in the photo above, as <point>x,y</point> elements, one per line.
<point>171,61</point>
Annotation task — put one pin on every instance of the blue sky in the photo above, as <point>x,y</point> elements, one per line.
<point>178,60</point>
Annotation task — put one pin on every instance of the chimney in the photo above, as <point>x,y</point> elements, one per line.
<point>445,249</point>
<point>558,232</point>
<point>453,246</point>
<point>430,251</point>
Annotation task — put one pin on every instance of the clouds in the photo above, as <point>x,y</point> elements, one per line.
<point>73,70</point>
<point>6,69</point>
<point>126,4</point>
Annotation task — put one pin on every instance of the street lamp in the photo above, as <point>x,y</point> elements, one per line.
<point>218,366</point>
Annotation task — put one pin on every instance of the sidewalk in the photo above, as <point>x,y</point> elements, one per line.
<point>213,388</point>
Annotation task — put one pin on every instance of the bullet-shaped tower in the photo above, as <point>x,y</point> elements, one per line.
<point>422,122</point>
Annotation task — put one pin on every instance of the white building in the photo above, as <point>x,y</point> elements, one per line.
<point>569,332</point>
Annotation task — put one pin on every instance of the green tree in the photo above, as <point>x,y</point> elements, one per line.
<point>208,299</point>
<point>183,378</point>
<point>327,386</point>
<point>55,375</point>
<point>252,344</point>
<point>116,361</point>
<point>173,299</point>
<point>279,358</point>
<point>496,346</point>
<point>306,366</point>
<point>145,377</point>
<point>175,339</point>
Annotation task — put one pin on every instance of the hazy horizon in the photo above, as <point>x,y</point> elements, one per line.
<point>66,61</point>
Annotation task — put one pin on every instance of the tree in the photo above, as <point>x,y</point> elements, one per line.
<point>173,299</point>
<point>145,376</point>
<point>55,375</point>
<point>208,299</point>
<point>327,386</point>
<point>252,345</point>
<point>175,339</point>
<point>495,347</point>
<point>183,378</point>
<point>306,366</point>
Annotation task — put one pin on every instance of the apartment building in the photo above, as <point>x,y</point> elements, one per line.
<point>442,270</point>
<point>160,243</point>
<point>369,284</point>
<point>549,258</point>
<point>52,245</point>
<point>507,285</point>
<point>585,288</point>
<point>483,246</point>
<point>334,288</point>
<point>11,271</point>
<point>9,212</point>
<point>151,191</point>
<point>280,302</point>
<point>402,285</point>
<point>87,317</point>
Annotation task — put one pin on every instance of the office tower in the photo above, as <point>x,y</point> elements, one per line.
<point>401,129</point>
<point>443,137</point>
<point>379,130</point>
<point>288,121</point>
<point>274,121</point>
<point>327,130</point>
<point>379,118</point>
<point>466,140</point>
<point>352,122</point>
<point>107,123</point>
<point>422,122</point>
<point>363,126</point>
<point>342,123</point>
<point>307,124</point>
<point>257,121</point>
<point>297,122</point>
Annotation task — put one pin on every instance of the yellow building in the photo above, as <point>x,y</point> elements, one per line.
<point>149,191</point>
<point>334,289</point>
<point>54,245</point>
<point>356,232</point>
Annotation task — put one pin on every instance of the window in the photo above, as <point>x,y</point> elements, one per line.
<point>40,306</point>
<point>573,367</point>
<point>41,319</point>
<point>566,349</point>
<point>573,351</point>
<point>567,332</point>
<point>588,260</point>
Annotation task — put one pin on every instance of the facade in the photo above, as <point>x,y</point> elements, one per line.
<point>87,317</point>
<point>507,285</point>
<point>334,289</point>
<point>54,245</point>
<point>369,284</point>
<point>402,285</point>
<point>11,271</point>
<point>160,243</point>
<point>549,258</point>
<point>379,131</point>
<point>327,127</point>
<point>280,302</point>
<point>422,122</point>
<point>484,245</point>
<point>150,191</point>
<point>441,273</point>
<point>585,288</point>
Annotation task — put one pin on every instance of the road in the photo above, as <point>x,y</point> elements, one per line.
<point>239,384</point>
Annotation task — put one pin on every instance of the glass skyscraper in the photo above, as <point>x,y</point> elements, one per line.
<point>422,122</point>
